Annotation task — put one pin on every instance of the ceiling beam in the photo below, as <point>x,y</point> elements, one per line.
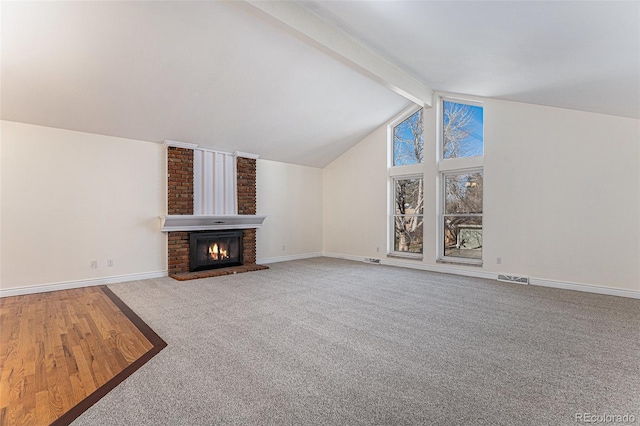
<point>313,30</point>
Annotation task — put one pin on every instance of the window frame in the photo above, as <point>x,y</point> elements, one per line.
<point>442,215</point>
<point>440,124</point>
<point>396,123</point>
<point>407,171</point>
<point>392,216</point>
<point>454,166</point>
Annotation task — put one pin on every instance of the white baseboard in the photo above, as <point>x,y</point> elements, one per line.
<point>634,294</point>
<point>442,269</point>
<point>610,291</point>
<point>343,256</point>
<point>418,265</point>
<point>287,258</point>
<point>18,291</point>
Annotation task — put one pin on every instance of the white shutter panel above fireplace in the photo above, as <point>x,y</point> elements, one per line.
<point>214,183</point>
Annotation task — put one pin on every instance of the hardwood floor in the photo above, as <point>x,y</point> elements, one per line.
<point>62,351</point>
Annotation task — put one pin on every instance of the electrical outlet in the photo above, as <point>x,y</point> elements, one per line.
<point>378,249</point>
<point>283,248</point>
<point>498,261</point>
<point>94,264</point>
<point>110,263</point>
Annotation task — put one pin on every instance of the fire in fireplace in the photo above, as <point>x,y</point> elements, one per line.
<point>211,250</point>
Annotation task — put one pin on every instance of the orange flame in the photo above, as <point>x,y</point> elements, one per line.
<point>213,251</point>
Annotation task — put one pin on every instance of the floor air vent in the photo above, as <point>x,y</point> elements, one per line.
<point>513,279</point>
<point>371,260</point>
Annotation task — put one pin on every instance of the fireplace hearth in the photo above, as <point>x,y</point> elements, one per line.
<point>212,250</point>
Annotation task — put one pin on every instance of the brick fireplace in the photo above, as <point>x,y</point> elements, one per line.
<point>180,201</point>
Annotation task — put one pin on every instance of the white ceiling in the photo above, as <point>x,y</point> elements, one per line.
<point>210,73</point>
<point>582,55</point>
<point>198,72</point>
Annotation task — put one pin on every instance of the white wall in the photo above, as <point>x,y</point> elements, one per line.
<point>0,204</point>
<point>355,201</point>
<point>69,198</point>
<point>568,207</point>
<point>561,200</point>
<point>291,197</point>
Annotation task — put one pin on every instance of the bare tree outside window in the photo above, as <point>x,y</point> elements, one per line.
<point>408,193</point>
<point>463,193</point>
<point>408,215</point>
<point>463,215</point>
<point>462,136</point>
<point>408,140</point>
<point>463,130</point>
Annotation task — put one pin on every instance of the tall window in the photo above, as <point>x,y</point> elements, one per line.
<point>463,215</point>
<point>407,185</point>
<point>461,177</point>
<point>408,215</point>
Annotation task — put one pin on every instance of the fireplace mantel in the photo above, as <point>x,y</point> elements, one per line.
<point>206,223</point>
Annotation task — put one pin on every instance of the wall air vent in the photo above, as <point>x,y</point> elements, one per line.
<point>513,279</point>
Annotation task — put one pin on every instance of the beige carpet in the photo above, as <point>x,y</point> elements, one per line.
<point>325,341</point>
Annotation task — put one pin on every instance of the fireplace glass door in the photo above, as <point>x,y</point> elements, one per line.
<point>211,250</point>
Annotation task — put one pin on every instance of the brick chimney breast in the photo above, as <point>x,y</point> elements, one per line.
<point>180,201</point>
<point>246,169</point>
<point>179,181</point>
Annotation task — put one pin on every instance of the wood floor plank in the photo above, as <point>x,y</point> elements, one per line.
<point>98,364</point>
<point>88,360</point>
<point>86,378</point>
<point>14,374</point>
<point>28,400</point>
<point>62,351</point>
<point>8,364</point>
<point>55,404</point>
<point>42,408</point>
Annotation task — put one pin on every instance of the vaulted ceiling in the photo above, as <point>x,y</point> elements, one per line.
<point>214,74</point>
<point>582,55</point>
